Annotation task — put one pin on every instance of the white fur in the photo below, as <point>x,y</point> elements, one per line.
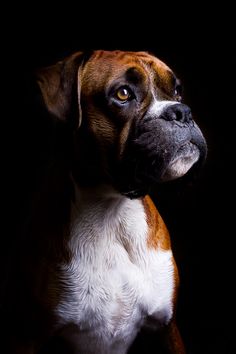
<point>157,107</point>
<point>180,166</point>
<point>114,281</point>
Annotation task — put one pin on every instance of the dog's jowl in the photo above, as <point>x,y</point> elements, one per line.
<point>99,265</point>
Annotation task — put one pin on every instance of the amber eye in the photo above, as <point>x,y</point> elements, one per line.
<point>178,93</point>
<point>123,94</point>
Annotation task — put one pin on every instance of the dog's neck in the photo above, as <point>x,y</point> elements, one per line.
<point>94,194</point>
<point>101,209</point>
<point>102,196</point>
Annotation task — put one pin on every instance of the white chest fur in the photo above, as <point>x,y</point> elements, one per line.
<point>114,281</point>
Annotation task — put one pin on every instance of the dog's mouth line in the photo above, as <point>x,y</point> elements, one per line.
<point>186,157</point>
<point>186,152</point>
<point>148,172</point>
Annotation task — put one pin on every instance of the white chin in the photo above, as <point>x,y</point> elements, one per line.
<point>182,164</point>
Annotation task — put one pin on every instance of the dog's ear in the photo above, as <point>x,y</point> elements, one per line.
<point>60,87</point>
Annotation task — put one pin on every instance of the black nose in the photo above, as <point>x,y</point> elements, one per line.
<point>179,112</point>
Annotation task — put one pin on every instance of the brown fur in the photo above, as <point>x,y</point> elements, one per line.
<point>76,80</point>
<point>158,236</point>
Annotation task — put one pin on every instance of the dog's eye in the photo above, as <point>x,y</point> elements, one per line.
<point>123,94</point>
<point>178,92</point>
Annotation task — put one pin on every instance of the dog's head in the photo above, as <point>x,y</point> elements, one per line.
<point>130,128</point>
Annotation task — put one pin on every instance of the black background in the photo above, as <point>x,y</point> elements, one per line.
<point>198,44</point>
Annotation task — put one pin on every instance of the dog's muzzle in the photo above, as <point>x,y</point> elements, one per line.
<point>177,112</point>
<point>160,148</point>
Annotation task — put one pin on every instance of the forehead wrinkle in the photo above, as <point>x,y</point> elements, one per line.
<point>161,75</point>
<point>155,73</point>
<point>107,63</point>
<point>160,71</point>
<point>121,72</point>
<point>126,59</point>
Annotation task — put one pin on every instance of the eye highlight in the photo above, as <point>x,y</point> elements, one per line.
<point>123,94</point>
<point>178,92</point>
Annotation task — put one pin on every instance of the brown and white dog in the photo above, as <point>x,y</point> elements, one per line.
<point>108,270</point>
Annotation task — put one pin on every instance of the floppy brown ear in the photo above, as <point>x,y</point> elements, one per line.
<point>60,86</point>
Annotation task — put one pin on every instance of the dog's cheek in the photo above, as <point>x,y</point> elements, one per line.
<point>198,139</point>
<point>152,140</point>
<point>123,138</point>
<point>102,128</point>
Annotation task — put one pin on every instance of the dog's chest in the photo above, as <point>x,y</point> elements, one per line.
<point>114,282</point>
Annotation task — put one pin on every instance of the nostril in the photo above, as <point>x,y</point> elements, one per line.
<point>179,116</point>
<point>183,113</point>
<point>171,115</point>
<point>187,114</point>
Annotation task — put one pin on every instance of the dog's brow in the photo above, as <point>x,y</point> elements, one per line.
<point>159,70</point>
<point>164,79</point>
<point>134,75</point>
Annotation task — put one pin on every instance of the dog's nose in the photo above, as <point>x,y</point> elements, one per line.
<point>180,112</point>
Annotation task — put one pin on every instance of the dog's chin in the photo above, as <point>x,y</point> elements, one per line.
<point>149,174</point>
<point>185,158</point>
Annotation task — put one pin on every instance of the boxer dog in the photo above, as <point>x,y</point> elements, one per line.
<point>104,268</point>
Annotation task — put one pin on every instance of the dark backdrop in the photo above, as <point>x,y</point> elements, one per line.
<point>199,46</point>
